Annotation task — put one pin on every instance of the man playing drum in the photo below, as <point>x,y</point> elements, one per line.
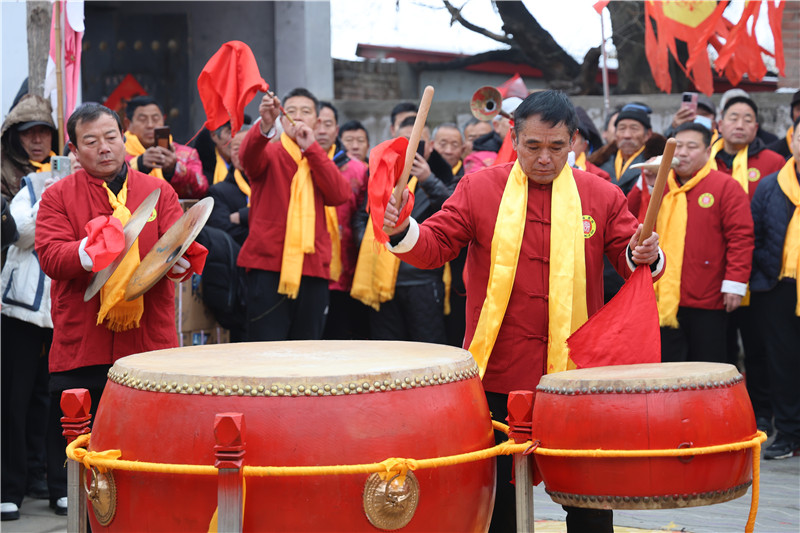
<point>537,231</point>
<point>75,214</point>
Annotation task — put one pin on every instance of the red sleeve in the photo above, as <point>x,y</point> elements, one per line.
<point>634,200</point>
<point>332,185</point>
<point>620,226</point>
<point>445,233</point>
<point>737,230</point>
<point>56,239</point>
<point>253,154</point>
<point>169,209</point>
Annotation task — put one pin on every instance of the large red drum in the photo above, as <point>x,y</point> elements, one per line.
<point>305,404</point>
<point>644,407</point>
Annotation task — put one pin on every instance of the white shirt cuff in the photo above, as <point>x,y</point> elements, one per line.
<point>655,272</point>
<point>86,261</point>
<point>408,241</point>
<point>270,134</point>
<point>734,287</point>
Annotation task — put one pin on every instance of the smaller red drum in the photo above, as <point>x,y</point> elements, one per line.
<point>305,404</point>
<point>644,407</point>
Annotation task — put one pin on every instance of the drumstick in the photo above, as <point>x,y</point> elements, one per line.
<point>658,190</point>
<point>272,95</point>
<point>416,133</point>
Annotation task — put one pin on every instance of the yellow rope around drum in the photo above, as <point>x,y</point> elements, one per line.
<point>110,460</point>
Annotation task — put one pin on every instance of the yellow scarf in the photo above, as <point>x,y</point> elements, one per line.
<point>121,315</point>
<point>789,134</point>
<point>45,166</point>
<point>447,273</point>
<point>135,148</point>
<point>220,169</point>
<point>619,167</point>
<point>300,217</point>
<point>221,172</point>
<point>332,221</point>
<point>739,171</point>
<point>376,270</point>
<point>567,282</point>
<point>787,180</point>
<point>580,161</point>
<point>671,224</point>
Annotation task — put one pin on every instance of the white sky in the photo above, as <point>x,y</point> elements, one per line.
<point>425,24</point>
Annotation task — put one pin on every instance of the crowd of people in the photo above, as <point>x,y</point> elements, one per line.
<point>292,254</point>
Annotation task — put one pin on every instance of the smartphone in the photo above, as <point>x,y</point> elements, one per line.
<point>689,101</point>
<point>162,136</point>
<point>421,148</point>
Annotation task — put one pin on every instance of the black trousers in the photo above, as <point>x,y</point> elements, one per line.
<point>24,352</point>
<point>701,336</point>
<point>775,313</point>
<point>756,370</point>
<point>416,313</point>
<point>504,517</point>
<point>276,317</point>
<point>347,318</point>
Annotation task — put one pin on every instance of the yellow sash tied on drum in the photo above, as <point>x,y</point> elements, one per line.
<point>376,269</point>
<point>671,224</point>
<point>121,315</point>
<point>790,267</point>
<point>739,170</point>
<point>300,218</point>
<point>567,280</point>
<point>620,167</point>
<point>135,148</point>
<point>332,222</point>
<point>43,167</point>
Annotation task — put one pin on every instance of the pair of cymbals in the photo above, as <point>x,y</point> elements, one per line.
<point>162,256</point>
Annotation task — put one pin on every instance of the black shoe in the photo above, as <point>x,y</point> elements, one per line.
<point>37,485</point>
<point>9,511</point>
<point>783,448</point>
<point>765,424</point>
<point>59,506</point>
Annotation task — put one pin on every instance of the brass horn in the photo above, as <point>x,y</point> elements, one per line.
<point>487,103</point>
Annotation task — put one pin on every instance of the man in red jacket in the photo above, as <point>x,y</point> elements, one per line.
<point>707,233</point>
<point>556,223</point>
<point>88,337</point>
<point>287,253</point>
<point>743,155</point>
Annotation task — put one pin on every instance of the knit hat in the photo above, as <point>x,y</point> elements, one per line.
<point>635,113</point>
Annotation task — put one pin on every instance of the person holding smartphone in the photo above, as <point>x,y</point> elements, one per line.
<point>150,149</point>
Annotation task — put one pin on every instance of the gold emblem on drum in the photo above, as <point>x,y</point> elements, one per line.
<point>387,504</point>
<point>102,493</point>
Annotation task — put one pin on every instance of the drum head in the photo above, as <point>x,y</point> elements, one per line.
<point>169,248</point>
<point>653,375</point>
<point>295,368</point>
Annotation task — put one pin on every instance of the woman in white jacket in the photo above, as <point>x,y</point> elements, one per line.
<point>27,332</point>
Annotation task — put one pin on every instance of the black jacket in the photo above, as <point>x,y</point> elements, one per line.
<point>223,282</point>
<point>228,198</point>
<point>428,198</point>
<point>772,211</point>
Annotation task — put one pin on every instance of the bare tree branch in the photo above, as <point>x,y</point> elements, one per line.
<point>455,14</point>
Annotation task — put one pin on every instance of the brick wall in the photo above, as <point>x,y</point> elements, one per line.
<point>365,80</point>
<point>791,45</point>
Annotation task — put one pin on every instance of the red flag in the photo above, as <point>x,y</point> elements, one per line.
<point>506,154</point>
<point>386,163</point>
<point>741,53</point>
<point>72,27</point>
<point>600,6</point>
<point>775,15</point>
<point>690,21</point>
<point>514,86</point>
<point>624,331</point>
<point>227,83</point>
